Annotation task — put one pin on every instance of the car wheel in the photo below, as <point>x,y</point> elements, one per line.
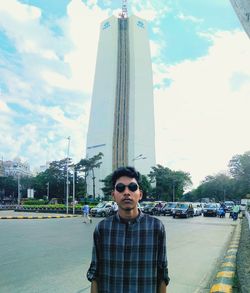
<point>174,216</point>
<point>103,214</point>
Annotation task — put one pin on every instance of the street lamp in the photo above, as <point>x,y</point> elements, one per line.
<point>173,190</point>
<point>18,189</point>
<point>74,192</point>
<point>139,157</point>
<point>47,190</point>
<point>67,178</point>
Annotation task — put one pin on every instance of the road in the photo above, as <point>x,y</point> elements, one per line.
<point>53,255</point>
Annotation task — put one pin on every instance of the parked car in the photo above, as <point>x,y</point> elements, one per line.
<point>183,210</point>
<point>228,205</point>
<point>211,209</point>
<point>168,209</point>
<point>197,208</point>
<point>143,204</point>
<point>102,209</point>
<point>150,208</point>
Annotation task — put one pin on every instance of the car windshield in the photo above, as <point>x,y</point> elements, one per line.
<point>100,205</point>
<point>171,205</point>
<point>150,204</point>
<point>211,205</point>
<point>182,206</point>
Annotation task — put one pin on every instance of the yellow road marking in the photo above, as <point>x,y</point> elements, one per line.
<point>225,274</point>
<point>221,288</point>
<point>230,256</point>
<point>228,264</point>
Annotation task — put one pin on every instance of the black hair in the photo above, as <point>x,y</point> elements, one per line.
<point>128,171</point>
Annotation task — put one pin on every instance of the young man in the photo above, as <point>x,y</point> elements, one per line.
<point>129,250</point>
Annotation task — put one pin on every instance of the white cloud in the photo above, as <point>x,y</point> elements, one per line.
<point>189,18</point>
<point>150,10</point>
<point>83,30</point>
<point>18,11</point>
<point>4,107</point>
<point>201,120</point>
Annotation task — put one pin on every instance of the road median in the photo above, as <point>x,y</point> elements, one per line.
<point>225,277</point>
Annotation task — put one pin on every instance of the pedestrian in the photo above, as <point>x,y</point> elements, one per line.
<point>85,210</point>
<point>236,210</point>
<point>129,248</point>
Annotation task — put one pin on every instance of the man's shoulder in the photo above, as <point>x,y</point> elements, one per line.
<point>106,222</point>
<point>150,219</point>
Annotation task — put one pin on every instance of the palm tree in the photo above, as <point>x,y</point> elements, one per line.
<point>88,165</point>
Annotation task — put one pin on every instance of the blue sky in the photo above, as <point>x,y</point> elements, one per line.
<point>201,69</point>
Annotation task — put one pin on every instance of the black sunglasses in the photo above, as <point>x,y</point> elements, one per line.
<point>120,187</point>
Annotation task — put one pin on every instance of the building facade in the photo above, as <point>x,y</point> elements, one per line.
<point>16,168</point>
<point>1,168</point>
<point>242,9</point>
<point>121,124</point>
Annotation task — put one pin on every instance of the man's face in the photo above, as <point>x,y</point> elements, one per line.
<point>127,199</point>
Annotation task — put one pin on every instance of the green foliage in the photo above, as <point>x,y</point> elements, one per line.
<point>239,168</point>
<point>219,187</point>
<point>107,189</point>
<point>145,186</point>
<point>87,167</point>
<point>8,185</point>
<point>169,185</point>
<point>30,202</point>
<point>225,187</point>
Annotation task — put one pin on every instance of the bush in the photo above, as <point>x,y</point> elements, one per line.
<point>30,201</point>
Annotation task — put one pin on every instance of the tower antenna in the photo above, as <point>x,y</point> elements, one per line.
<point>124,13</point>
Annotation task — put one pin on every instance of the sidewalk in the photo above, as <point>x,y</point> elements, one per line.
<point>243,258</point>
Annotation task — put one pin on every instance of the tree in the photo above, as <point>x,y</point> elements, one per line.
<point>239,167</point>
<point>56,176</point>
<point>107,188</point>
<point>8,187</point>
<point>88,166</point>
<point>219,187</point>
<point>170,185</point>
<point>145,186</point>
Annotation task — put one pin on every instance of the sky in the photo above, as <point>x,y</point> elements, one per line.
<point>201,75</point>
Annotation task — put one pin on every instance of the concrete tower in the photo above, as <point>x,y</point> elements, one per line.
<point>242,9</point>
<point>121,124</point>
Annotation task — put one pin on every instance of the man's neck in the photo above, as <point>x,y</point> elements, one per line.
<point>128,215</point>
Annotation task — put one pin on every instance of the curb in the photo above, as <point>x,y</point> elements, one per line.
<point>34,217</point>
<point>224,279</point>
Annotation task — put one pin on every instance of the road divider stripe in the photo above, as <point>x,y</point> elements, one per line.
<point>228,264</point>
<point>221,288</point>
<point>35,217</point>
<point>224,279</point>
<point>225,274</point>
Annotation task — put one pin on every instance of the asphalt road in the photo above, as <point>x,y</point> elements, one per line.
<point>53,255</point>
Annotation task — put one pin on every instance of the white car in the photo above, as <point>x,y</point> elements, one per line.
<point>197,208</point>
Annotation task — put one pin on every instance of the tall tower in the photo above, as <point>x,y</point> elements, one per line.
<point>121,124</point>
<point>242,9</point>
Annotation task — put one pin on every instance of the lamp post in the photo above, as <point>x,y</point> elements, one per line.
<point>173,190</point>
<point>74,192</point>
<point>18,189</point>
<point>48,191</point>
<point>139,157</point>
<point>67,178</point>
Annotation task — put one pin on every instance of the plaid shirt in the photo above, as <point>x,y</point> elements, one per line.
<point>129,257</point>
